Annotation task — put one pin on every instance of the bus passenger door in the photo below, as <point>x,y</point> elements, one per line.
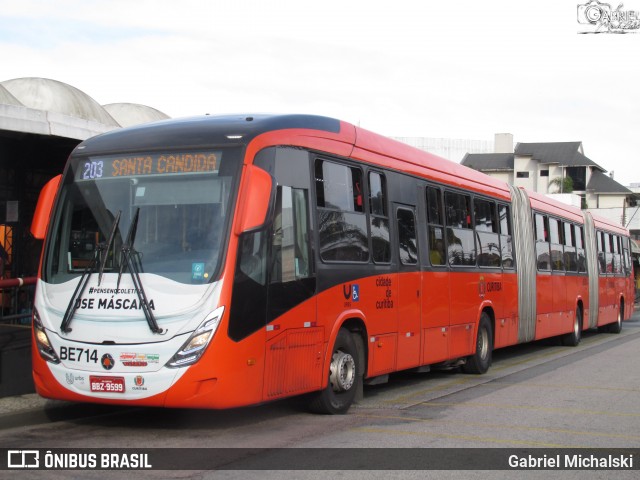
<point>544,280</point>
<point>435,284</point>
<point>409,285</point>
<point>294,343</point>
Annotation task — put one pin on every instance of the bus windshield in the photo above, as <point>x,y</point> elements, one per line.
<point>180,203</point>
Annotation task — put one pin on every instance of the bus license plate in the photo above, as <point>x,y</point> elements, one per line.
<point>107,384</point>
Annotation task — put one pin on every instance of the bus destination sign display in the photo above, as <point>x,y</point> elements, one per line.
<point>156,164</point>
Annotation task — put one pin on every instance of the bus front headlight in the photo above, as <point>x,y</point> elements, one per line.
<point>196,344</point>
<point>45,349</point>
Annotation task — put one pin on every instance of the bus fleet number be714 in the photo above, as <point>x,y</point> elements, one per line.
<point>74,354</point>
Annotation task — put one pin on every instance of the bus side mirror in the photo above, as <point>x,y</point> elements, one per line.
<point>255,198</point>
<point>43,209</point>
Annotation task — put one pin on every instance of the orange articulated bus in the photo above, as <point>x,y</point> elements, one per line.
<point>224,261</point>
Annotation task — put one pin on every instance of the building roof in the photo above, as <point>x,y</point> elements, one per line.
<point>602,183</point>
<point>6,98</point>
<point>489,162</point>
<point>54,96</point>
<point>48,107</point>
<point>565,154</point>
<point>128,114</point>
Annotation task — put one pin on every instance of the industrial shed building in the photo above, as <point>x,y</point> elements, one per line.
<point>41,122</point>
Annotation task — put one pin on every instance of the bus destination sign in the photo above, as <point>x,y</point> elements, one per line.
<point>156,164</point>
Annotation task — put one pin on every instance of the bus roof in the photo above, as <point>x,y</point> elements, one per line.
<point>547,204</point>
<point>369,146</point>
<point>201,131</point>
<point>238,129</point>
<point>605,223</point>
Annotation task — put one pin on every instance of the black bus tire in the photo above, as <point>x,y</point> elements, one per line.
<point>572,339</point>
<point>616,327</point>
<point>344,378</point>
<point>480,361</point>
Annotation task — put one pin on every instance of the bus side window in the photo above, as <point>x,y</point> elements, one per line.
<point>617,255</point>
<point>252,258</point>
<point>608,248</point>
<point>542,242</point>
<point>625,256</point>
<point>342,221</point>
<point>486,223</point>
<point>250,282</point>
<point>290,256</point>
<point>437,253</point>
<point>506,241</point>
<point>569,248</point>
<point>600,249</point>
<point>461,248</point>
<point>408,244</point>
<point>339,187</point>
<point>580,255</point>
<point>556,243</point>
<point>458,209</point>
<point>379,218</point>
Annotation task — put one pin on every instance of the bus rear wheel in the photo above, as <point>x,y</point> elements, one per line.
<point>616,327</point>
<point>480,361</point>
<point>344,378</point>
<point>573,338</point>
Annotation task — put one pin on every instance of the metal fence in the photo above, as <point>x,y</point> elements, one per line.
<point>16,300</point>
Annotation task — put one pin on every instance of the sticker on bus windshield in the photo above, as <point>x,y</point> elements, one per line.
<point>197,271</point>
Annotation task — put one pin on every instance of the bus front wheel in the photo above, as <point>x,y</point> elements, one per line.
<point>344,379</point>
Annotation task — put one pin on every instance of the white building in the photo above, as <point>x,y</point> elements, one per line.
<point>543,167</point>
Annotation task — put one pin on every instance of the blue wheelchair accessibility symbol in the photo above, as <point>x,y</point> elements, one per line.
<point>355,293</point>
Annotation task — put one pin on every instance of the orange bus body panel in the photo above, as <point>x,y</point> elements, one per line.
<point>41,216</point>
<point>436,321</point>
<point>255,194</point>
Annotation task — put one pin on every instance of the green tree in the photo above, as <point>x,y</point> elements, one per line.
<point>563,185</point>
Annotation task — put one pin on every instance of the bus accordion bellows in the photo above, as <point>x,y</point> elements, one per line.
<point>224,261</point>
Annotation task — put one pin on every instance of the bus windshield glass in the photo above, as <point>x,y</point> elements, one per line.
<point>177,204</point>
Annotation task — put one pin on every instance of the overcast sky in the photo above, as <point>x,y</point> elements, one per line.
<point>453,69</point>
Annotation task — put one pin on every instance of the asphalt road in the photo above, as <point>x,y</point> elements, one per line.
<point>536,396</point>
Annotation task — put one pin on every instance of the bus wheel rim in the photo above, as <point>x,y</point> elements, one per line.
<point>343,372</point>
<point>483,343</point>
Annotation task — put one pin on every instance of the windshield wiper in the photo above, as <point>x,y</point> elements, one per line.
<point>127,246</point>
<point>132,258</point>
<point>112,234</point>
<point>100,257</point>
